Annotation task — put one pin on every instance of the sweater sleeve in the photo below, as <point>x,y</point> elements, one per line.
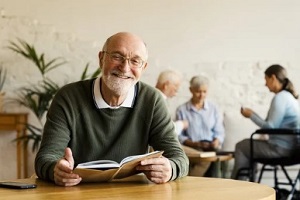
<point>163,137</point>
<point>56,136</point>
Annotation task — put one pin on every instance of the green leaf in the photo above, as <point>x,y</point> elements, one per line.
<point>29,52</point>
<point>84,74</point>
<point>37,97</point>
<point>3,74</point>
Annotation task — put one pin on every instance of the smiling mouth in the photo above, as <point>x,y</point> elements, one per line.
<point>121,76</point>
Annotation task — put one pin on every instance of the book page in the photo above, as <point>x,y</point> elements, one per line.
<point>98,164</point>
<point>130,158</point>
<point>93,175</point>
<point>128,168</point>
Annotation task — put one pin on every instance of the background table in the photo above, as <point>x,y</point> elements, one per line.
<point>138,187</point>
<point>220,160</point>
<point>220,163</point>
<point>17,122</point>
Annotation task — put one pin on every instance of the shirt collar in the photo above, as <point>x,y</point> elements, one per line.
<point>100,103</point>
<point>192,107</point>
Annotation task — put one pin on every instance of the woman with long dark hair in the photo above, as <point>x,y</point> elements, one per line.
<point>284,112</point>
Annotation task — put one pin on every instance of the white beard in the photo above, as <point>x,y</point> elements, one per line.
<point>117,85</point>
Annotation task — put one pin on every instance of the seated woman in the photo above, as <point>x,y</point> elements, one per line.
<point>205,130</point>
<point>284,112</point>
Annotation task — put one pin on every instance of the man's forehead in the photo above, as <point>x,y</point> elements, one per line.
<point>199,88</point>
<point>128,51</point>
<point>125,38</point>
<point>127,42</point>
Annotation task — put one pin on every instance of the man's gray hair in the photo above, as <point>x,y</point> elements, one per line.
<point>198,81</point>
<point>169,75</point>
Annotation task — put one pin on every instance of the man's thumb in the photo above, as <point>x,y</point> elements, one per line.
<point>69,157</point>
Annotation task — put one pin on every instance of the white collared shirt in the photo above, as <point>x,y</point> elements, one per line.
<point>100,103</point>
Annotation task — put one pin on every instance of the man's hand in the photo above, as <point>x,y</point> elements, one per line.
<point>205,145</point>
<point>215,144</point>
<point>63,170</point>
<point>185,124</point>
<point>157,170</point>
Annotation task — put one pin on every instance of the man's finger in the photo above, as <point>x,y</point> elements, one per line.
<point>153,161</point>
<point>69,157</point>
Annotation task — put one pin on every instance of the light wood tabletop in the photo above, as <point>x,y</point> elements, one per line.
<point>138,187</point>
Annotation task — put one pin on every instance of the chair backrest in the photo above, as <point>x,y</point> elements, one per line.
<point>296,154</point>
<point>297,132</point>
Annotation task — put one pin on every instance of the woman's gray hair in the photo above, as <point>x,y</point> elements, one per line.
<point>198,81</point>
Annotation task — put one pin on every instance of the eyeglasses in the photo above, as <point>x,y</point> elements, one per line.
<point>116,58</point>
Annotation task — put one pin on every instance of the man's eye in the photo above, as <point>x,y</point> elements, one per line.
<point>135,61</point>
<point>117,57</point>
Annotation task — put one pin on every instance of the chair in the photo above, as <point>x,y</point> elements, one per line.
<point>273,164</point>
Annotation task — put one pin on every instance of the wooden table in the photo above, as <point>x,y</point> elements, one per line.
<point>17,122</point>
<point>220,163</point>
<point>138,187</point>
<point>220,160</point>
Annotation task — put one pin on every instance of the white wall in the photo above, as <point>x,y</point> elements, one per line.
<point>232,42</point>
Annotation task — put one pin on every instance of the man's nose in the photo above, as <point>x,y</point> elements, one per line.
<point>125,65</point>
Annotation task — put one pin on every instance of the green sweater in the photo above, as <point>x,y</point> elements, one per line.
<point>74,121</point>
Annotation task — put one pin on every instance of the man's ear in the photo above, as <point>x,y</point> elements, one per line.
<point>100,56</point>
<point>164,87</point>
<point>145,66</point>
<point>166,84</point>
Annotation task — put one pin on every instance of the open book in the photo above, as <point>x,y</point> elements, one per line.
<point>106,170</point>
<point>206,154</point>
<point>191,152</point>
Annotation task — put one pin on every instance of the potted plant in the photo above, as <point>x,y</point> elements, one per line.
<point>37,97</point>
<point>3,74</point>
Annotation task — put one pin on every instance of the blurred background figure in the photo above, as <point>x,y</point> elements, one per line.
<point>168,83</point>
<point>206,130</point>
<point>283,113</point>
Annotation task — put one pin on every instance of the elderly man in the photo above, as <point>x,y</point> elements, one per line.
<point>168,83</point>
<point>110,117</point>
